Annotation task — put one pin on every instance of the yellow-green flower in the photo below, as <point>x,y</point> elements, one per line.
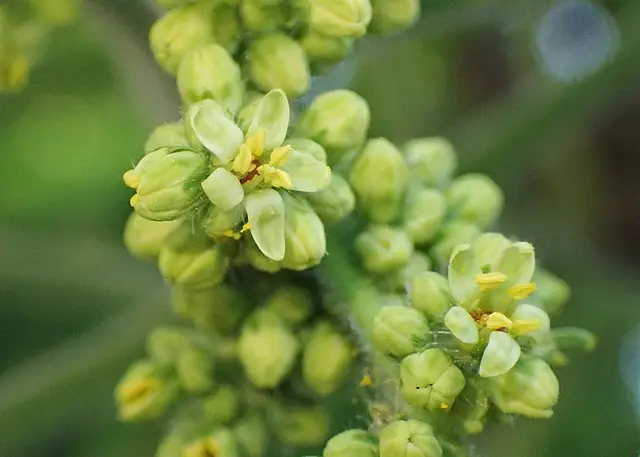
<point>249,166</point>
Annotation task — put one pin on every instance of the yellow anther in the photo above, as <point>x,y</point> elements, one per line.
<point>444,406</point>
<point>242,162</point>
<point>522,327</point>
<point>131,179</point>
<point>133,201</point>
<point>275,177</point>
<point>488,281</point>
<point>522,291</point>
<point>366,380</point>
<point>246,227</point>
<point>252,167</point>
<point>497,321</point>
<point>231,234</point>
<point>279,156</point>
<point>134,390</point>
<point>255,143</point>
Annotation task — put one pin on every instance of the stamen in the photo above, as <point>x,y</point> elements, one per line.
<point>488,281</point>
<point>522,291</point>
<point>279,156</point>
<point>498,321</point>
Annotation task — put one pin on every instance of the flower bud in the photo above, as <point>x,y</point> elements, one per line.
<point>144,238</point>
<point>391,16</point>
<point>424,212</point>
<point>167,135</point>
<point>351,443</point>
<point>166,344</point>
<point>267,350</point>
<point>429,293</point>
<point>410,438</point>
<point>431,160</point>
<point>323,49</point>
<point>220,308</point>
<point>430,380</point>
<point>340,18</point>
<point>252,436</point>
<point>276,61</point>
<point>300,425</point>
<point>178,32</point>
<point>219,443</point>
<point>530,388</point>
<point>144,392</point>
<point>260,17</point>
<point>292,304</point>
<point>194,368</point>
<point>471,409</point>
<point>552,290</point>
<point>399,330</point>
<point>338,120</point>
<point>305,243</point>
<point>452,234</point>
<point>222,407</point>
<point>167,183</point>
<point>227,27</point>
<point>220,223</point>
<point>254,257</point>
<point>326,359</point>
<point>191,260</point>
<point>475,198</point>
<point>59,13</point>
<point>210,72</point>
<point>383,249</point>
<point>400,280</point>
<point>308,147</point>
<point>574,338</point>
<point>379,177</point>
<point>334,202</point>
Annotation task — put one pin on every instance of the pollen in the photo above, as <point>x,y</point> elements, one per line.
<point>498,321</point>
<point>488,281</point>
<point>131,179</point>
<point>242,162</point>
<point>522,291</point>
<point>366,380</point>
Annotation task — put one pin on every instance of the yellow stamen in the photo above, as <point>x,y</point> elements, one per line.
<point>131,179</point>
<point>522,327</point>
<point>522,291</point>
<point>246,227</point>
<point>133,201</point>
<point>252,167</point>
<point>134,390</point>
<point>242,161</point>
<point>275,177</point>
<point>497,321</point>
<point>279,156</point>
<point>231,234</point>
<point>488,281</point>
<point>444,406</point>
<point>255,143</point>
<point>366,381</point>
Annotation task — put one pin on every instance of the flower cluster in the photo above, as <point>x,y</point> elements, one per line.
<point>239,201</point>
<point>23,27</point>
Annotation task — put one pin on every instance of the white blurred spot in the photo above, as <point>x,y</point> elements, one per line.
<point>575,38</point>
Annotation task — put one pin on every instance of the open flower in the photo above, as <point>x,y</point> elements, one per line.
<point>487,280</point>
<point>249,167</point>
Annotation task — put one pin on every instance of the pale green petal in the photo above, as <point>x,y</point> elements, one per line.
<point>462,325</point>
<point>223,189</point>
<point>518,262</point>
<point>307,173</point>
<point>271,116</point>
<point>501,354</point>
<point>489,248</point>
<point>219,134</point>
<point>463,270</point>
<point>526,312</point>
<point>265,210</point>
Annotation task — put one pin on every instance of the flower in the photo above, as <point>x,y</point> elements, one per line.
<point>487,279</point>
<point>249,166</point>
<point>351,443</point>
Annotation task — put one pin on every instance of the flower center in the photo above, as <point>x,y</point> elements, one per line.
<point>248,164</point>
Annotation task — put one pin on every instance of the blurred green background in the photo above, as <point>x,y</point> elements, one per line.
<point>543,95</point>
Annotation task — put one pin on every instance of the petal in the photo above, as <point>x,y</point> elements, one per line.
<point>307,173</point>
<point>463,270</point>
<point>265,210</point>
<point>223,189</point>
<point>462,325</point>
<point>500,356</point>
<point>219,134</point>
<point>489,248</point>
<point>272,116</point>
<point>518,262</point>
<point>531,313</point>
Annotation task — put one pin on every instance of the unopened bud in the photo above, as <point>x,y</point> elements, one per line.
<point>300,425</point>
<point>167,135</point>
<point>475,198</point>
<point>351,443</point>
<point>340,18</point>
<point>144,238</point>
<point>424,212</point>
<point>391,16</point>
<point>222,406</point>
<point>399,330</point>
<point>382,249</point>
<point>334,202</point>
<point>325,50</point>
<point>429,293</point>
<point>292,304</point>
<point>410,438</point>
<point>305,243</point>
